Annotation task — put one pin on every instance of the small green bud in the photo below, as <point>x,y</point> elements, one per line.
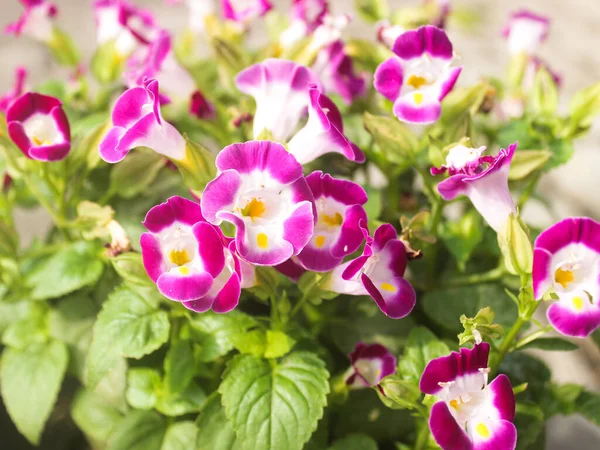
<point>197,167</point>
<point>480,328</point>
<point>516,247</point>
<point>396,393</point>
<point>129,266</point>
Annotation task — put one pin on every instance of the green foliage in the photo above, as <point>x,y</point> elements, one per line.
<point>275,404</point>
<point>354,442</point>
<point>551,344</point>
<point>135,173</point>
<point>463,236</point>
<point>74,266</point>
<point>30,379</point>
<point>139,430</point>
<point>422,347</point>
<point>481,326</point>
<point>372,10</point>
<point>94,416</point>
<point>128,325</point>
<point>215,430</point>
<point>395,140</point>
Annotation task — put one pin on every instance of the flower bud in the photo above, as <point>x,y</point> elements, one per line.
<point>516,247</point>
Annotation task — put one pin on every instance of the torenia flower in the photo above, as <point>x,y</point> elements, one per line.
<point>534,64</point>
<point>337,231</point>
<point>323,133</point>
<point>419,76</point>
<point>336,70</point>
<point>36,21</point>
<point>16,91</point>
<point>261,190</point>
<point>484,179</point>
<point>566,260</point>
<point>379,273</point>
<point>137,122</point>
<point>175,81</point>
<point>187,259</point>
<point>38,125</point>
<point>525,32</point>
<point>371,363</point>
<point>128,26</point>
<point>245,10</point>
<point>471,414</point>
<point>307,15</point>
<point>280,88</point>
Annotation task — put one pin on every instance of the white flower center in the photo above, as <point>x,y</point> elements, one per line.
<point>460,156</point>
<point>41,130</point>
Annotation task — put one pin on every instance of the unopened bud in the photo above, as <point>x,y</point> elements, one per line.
<point>516,247</point>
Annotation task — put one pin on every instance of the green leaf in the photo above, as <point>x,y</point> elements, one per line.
<point>372,11</point>
<point>72,267</point>
<point>529,420</point>
<point>32,329</point>
<point>422,347</point>
<point>142,384</point>
<point>588,405</point>
<point>275,405</point>
<point>129,266</point>
<point>562,151</point>
<point>215,430</point>
<point>215,332</point>
<point>544,93</point>
<point>107,64</point>
<point>395,140</point>
<point>9,240</point>
<point>523,368</point>
<point>445,306</point>
<point>93,415</point>
<point>30,380</point>
<point>135,173</point>
<point>551,344</point>
<point>278,344</point>
<point>252,342</point>
<point>526,162</point>
<point>354,442</point>
<point>180,436</point>
<point>189,400</point>
<point>127,326</point>
<point>179,366</point>
<point>139,430</point>
<point>585,106</point>
<point>462,237</point>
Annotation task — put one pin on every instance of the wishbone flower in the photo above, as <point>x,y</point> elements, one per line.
<point>471,414</point>
<point>419,76</point>
<point>370,363</point>
<point>260,189</point>
<point>566,261</point>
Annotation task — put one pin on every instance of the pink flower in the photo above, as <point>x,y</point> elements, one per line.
<point>37,21</point>
<point>38,125</point>
<point>18,89</point>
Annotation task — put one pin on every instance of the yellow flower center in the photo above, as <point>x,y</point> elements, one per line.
<point>334,220</point>
<point>482,430</point>
<point>418,98</point>
<point>388,287</point>
<point>253,209</point>
<point>563,277</point>
<point>184,270</point>
<point>39,142</point>
<point>320,241</point>
<point>262,240</point>
<point>179,257</point>
<point>577,303</point>
<point>416,81</point>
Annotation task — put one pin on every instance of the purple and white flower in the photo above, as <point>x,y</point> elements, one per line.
<point>379,273</point>
<point>261,190</point>
<point>18,89</point>
<point>129,27</point>
<point>484,179</point>
<point>38,125</point>
<point>280,88</point>
<point>323,133</point>
<point>137,122</point>
<point>471,413</point>
<point>566,261</point>
<point>175,81</point>
<point>336,70</point>
<point>245,10</point>
<point>338,231</point>
<point>307,15</point>
<point>37,21</point>
<point>370,363</point>
<point>419,76</point>
<point>187,259</point>
<point>534,64</point>
<point>526,31</point>
<point>329,31</point>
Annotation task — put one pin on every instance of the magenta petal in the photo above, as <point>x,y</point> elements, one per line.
<point>426,39</point>
<point>383,234</point>
<point>183,288</point>
<point>541,272</point>
<point>356,265</point>
<point>152,256</point>
<point>108,145</point>
<point>19,137</point>
<point>129,108</point>
<point>448,434</point>
<point>210,248</point>
<point>388,78</point>
<point>298,228</point>
<point>344,191</point>
<point>503,397</point>
<point>423,114</point>
<point>449,82</point>
<point>351,235</point>
<point>220,194</point>
<point>456,364</point>
<point>571,230</point>
<point>265,156</point>
<point>229,297</point>
<point>503,437</point>
<point>200,305</point>
<point>175,209</point>
<point>318,259</point>
<point>396,305</point>
<point>571,323</point>
<point>29,104</point>
<point>54,152</point>
<point>453,186</point>
<point>137,135</point>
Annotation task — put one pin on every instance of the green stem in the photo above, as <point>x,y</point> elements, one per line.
<point>275,317</point>
<point>532,337</point>
<point>507,342</point>
<point>477,278</point>
<point>422,437</point>
<point>298,306</point>
<point>58,221</point>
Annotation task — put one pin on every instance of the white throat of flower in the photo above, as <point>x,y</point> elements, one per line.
<point>460,156</point>
<point>41,130</point>
<point>180,248</point>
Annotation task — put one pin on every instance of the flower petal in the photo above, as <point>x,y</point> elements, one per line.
<point>396,298</point>
<point>570,322</point>
<point>388,78</point>
<point>220,194</point>
<point>182,288</point>
<point>175,209</point>
<point>448,434</point>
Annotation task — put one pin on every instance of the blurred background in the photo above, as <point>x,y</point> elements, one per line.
<point>573,189</point>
